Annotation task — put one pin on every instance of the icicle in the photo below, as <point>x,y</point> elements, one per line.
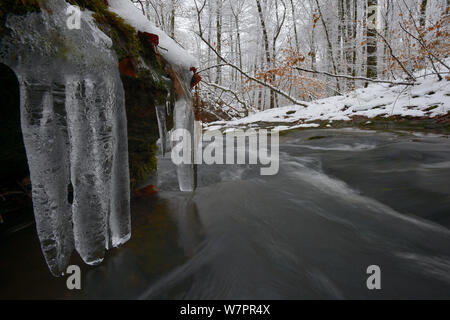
<point>91,111</point>
<point>161,116</point>
<point>198,142</point>
<point>184,119</point>
<point>46,140</point>
<point>168,106</point>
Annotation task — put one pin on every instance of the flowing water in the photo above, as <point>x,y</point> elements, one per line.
<point>339,204</point>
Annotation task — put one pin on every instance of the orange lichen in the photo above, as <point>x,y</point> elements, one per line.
<point>127,67</point>
<point>147,192</point>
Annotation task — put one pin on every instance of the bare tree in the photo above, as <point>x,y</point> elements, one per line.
<point>330,44</point>
<point>423,12</point>
<point>219,6</point>
<point>372,59</point>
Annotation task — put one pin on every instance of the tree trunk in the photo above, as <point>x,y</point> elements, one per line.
<point>355,40</point>
<point>294,21</point>
<point>266,45</point>
<point>210,37</point>
<point>423,13</point>
<point>330,45</point>
<point>342,31</point>
<point>238,40</point>
<point>219,40</point>
<point>372,39</point>
<point>172,21</point>
<point>313,49</point>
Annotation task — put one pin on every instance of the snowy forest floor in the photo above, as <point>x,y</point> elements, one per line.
<point>424,106</point>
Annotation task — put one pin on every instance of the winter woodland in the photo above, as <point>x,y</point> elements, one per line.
<point>262,54</point>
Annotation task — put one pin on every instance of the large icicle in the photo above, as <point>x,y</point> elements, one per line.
<point>74,128</point>
<point>184,119</point>
<point>46,140</point>
<point>161,112</point>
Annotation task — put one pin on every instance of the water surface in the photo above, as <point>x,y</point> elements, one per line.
<point>339,204</point>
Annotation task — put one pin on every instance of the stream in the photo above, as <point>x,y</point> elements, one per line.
<point>343,200</point>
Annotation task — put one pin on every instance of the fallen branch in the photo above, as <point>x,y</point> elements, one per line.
<point>267,85</point>
<point>225,103</point>
<point>431,74</point>
<point>213,67</point>
<point>228,90</point>
<point>342,76</point>
<point>410,75</point>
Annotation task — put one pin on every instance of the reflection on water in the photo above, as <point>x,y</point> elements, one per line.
<point>338,205</point>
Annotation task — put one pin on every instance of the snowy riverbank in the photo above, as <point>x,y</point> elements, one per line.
<point>428,99</point>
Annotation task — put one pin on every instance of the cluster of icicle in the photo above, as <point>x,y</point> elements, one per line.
<point>75,133</point>
<point>181,62</point>
<point>184,118</point>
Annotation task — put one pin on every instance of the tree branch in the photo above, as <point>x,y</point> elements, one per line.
<point>230,91</point>
<point>342,76</point>
<point>430,54</point>
<point>223,101</point>
<point>410,75</point>
<point>267,85</point>
<point>213,67</point>
<point>421,40</point>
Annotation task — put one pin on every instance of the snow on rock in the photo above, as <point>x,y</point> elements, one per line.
<point>429,98</point>
<point>170,50</point>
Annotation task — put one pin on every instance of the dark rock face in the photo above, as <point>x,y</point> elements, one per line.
<point>141,100</point>
<point>13,160</point>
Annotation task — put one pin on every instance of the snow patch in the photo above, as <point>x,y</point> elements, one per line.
<point>429,98</point>
<point>171,51</point>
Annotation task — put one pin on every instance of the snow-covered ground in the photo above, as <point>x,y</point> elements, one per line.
<point>429,98</point>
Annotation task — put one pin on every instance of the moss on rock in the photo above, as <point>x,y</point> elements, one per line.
<point>124,36</point>
<point>141,98</point>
